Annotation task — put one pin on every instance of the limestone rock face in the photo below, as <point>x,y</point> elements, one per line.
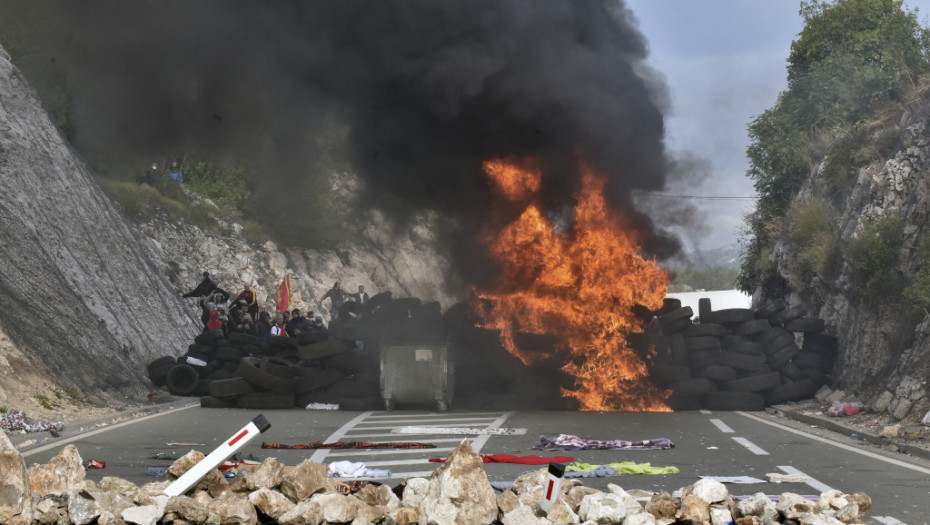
<point>459,491</point>
<point>15,489</point>
<point>63,471</point>
<point>70,253</point>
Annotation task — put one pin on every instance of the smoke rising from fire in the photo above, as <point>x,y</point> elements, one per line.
<point>424,91</point>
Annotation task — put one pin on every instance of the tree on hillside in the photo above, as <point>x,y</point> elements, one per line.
<point>852,59</point>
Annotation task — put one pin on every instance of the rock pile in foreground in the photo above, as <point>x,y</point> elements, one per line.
<point>458,492</point>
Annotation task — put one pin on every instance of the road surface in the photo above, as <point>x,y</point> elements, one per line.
<point>706,444</point>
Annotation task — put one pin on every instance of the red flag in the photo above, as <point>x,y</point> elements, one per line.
<point>284,295</point>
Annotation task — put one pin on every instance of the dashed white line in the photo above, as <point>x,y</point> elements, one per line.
<point>706,412</point>
<point>813,483</point>
<point>839,445</point>
<point>722,426</point>
<point>888,520</point>
<point>751,446</point>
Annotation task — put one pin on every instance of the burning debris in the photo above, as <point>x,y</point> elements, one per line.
<point>578,285</point>
<point>457,492</point>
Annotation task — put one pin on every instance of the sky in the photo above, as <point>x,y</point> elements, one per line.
<point>724,63</point>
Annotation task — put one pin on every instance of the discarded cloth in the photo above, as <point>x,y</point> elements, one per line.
<point>625,467</point>
<point>530,459</point>
<point>351,444</point>
<point>356,469</point>
<point>17,420</point>
<point>570,442</point>
<point>747,480</point>
<point>460,430</point>
<point>322,406</point>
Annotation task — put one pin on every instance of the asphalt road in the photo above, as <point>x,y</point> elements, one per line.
<point>706,444</point>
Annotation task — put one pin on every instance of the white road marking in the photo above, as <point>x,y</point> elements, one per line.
<point>359,427</point>
<point>429,415</point>
<point>888,520</point>
<point>722,426</point>
<point>813,483</point>
<point>63,442</point>
<point>751,446</point>
<point>850,448</point>
<point>706,412</point>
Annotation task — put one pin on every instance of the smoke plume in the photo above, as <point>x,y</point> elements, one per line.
<point>415,94</point>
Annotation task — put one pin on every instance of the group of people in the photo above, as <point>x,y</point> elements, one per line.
<point>241,314</point>
<point>154,177</point>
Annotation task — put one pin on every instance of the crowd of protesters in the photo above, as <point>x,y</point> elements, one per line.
<point>240,314</point>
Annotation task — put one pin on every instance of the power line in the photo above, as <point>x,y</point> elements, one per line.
<point>701,197</point>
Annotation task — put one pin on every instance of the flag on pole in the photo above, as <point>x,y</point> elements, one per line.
<point>284,295</point>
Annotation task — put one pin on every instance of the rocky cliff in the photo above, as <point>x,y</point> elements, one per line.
<point>91,298</point>
<point>885,342</point>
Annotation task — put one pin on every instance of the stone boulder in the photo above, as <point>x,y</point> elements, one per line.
<point>459,491</point>
<point>15,501</point>
<point>304,480</point>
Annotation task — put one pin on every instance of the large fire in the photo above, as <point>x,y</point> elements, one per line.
<point>579,285</point>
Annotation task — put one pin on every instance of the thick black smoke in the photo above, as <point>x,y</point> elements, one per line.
<point>425,91</point>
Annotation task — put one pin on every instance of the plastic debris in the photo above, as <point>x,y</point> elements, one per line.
<point>94,463</point>
<point>840,409</point>
<point>156,472</point>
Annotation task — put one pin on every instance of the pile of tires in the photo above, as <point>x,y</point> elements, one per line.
<point>739,359</point>
<point>341,366</point>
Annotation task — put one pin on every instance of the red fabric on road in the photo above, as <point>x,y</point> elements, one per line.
<point>531,459</point>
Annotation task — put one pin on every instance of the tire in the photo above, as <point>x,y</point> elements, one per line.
<point>745,347</point>
<point>792,312</point>
<point>812,360</point>
<point>730,401</point>
<point>322,350</point>
<point>702,343</point>
<point>269,400</point>
<point>308,338</point>
<point>228,353</point>
<point>317,380</point>
<point>351,362</point>
<point>676,315</point>
<point>770,335</point>
<point>254,371</point>
<point>282,342</point>
<point>680,403</point>
<point>240,339</point>
<point>200,349</point>
<point>815,375</point>
<point>794,391</point>
<point>783,340</point>
<point>158,369</point>
<point>705,329</point>
<point>694,387</point>
<point>770,308</point>
<point>756,383</point>
<point>238,386</point>
<point>756,326</point>
<point>346,331</point>
<point>806,325</point>
<point>664,376</point>
<point>360,404</point>
<point>677,349</point>
<point>743,362</point>
<point>213,402</point>
<point>720,373</point>
<point>676,326</point>
<point>731,315</point>
<point>704,309</point>
<point>703,359</point>
<point>209,336</point>
<point>782,356</point>
<point>822,340</point>
<point>279,367</point>
<point>817,348</point>
<point>182,380</point>
<point>375,302</point>
<point>792,372</point>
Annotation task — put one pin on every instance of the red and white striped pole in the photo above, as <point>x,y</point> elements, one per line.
<point>218,456</point>
<point>553,486</point>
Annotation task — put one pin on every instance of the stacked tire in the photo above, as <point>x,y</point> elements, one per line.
<point>741,359</point>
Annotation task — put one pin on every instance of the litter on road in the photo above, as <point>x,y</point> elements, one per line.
<point>13,420</point>
<point>350,444</point>
<point>530,459</point>
<point>570,442</point>
<point>472,431</point>
<point>579,470</point>
<point>743,480</point>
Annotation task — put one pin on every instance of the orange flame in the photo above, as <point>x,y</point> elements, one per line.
<point>580,286</point>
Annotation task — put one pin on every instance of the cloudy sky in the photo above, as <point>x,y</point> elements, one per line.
<point>724,62</point>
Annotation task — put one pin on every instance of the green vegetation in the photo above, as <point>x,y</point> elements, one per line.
<point>873,255</point>
<point>918,292</point>
<point>45,402</point>
<point>850,72</point>
<point>715,277</point>
<point>814,243</point>
<point>74,395</point>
